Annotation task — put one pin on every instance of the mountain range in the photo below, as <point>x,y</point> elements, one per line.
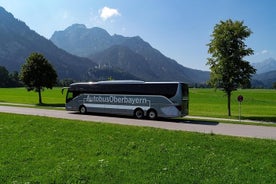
<point>134,55</point>
<point>18,41</point>
<point>130,54</point>
<point>91,54</point>
<point>116,57</point>
<point>267,65</point>
<point>266,73</point>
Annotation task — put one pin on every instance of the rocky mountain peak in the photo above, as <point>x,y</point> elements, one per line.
<point>81,41</point>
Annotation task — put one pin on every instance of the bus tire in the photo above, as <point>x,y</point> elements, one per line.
<point>152,114</point>
<point>83,109</point>
<point>138,113</point>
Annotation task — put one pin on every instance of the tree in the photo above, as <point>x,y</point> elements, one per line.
<point>37,73</point>
<point>227,48</point>
<point>14,80</point>
<point>65,82</point>
<point>7,79</point>
<point>274,85</point>
<point>4,77</point>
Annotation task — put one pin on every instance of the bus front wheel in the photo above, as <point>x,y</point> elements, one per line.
<point>152,114</point>
<point>139,113</point>
<point>83,109</point>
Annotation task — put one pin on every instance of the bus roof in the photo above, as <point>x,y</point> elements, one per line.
<point>120,82</point>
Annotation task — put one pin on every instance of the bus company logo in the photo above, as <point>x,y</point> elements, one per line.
<point>116,100</point>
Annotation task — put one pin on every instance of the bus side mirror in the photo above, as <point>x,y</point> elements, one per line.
<point>62,90</point>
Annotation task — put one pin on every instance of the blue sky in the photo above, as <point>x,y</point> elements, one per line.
<point>180,29</point>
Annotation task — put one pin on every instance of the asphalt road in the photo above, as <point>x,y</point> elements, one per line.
<point>211,127</point>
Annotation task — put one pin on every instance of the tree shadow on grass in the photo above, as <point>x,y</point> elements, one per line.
<point>51,105</point>
<point>264,119</point>
<point>188,121</point>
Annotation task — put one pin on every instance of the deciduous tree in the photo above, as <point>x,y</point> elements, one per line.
<point>274,85</point>
<point>227,48</point>
<point>37,73</point>
<point>4,77</point>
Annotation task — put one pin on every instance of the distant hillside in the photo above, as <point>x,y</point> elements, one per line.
<point>130,54</point>
<point>265,80</point>
<point>265,66</point>
<point>266,73</point>
<point>123,58</point>
<point>18,41</point>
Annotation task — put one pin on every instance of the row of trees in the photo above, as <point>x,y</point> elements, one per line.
<point>9,79</point>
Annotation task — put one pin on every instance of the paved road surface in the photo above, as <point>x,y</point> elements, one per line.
<point>182,125</point>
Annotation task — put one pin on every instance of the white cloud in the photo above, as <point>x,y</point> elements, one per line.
<point>65,15</point>
<point>264,52</point>
<point>106,13</point>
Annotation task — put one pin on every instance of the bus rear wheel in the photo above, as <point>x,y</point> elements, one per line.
<point>152,114</point>
<point>139,113</point>
<point>83,109</point>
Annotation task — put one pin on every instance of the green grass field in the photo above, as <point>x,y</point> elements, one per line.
<point>258,104</point>
<point>47,150</point>
<point>52,97</point>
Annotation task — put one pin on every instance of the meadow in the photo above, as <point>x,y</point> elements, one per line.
<point>50,97</point>
<point>258,104</point>
<point>47,150</point>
